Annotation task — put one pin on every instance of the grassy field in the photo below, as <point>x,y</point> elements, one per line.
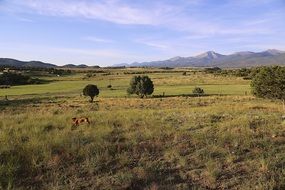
<point>228,141</point>
<point>169,83</point>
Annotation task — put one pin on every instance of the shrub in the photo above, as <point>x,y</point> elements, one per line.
<point>14,79</point>
<point>269,82</point>
<point>213,70</point>
<point>91,91</point>
<point>198,91</point>
<point>89,75</point>
<point>141,86</point>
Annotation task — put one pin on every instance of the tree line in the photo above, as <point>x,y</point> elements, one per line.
<point>18,79</point>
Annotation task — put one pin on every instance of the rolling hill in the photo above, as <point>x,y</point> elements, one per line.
<point>74,66</point>
<point>17,63</point>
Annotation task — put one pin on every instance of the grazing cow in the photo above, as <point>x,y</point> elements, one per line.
<point>78,121</point>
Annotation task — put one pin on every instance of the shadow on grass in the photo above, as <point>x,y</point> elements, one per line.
<point>41,81</point>
<point>187,95</point>
<point>26,101</point>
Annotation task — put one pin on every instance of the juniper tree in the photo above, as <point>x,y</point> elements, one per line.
<point>91,91</point>
<point>141,86</point>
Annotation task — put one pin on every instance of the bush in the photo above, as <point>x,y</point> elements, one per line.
<point>91,91</point>
<point>14,79</point>
<point>198,91</point>
<point>141,86</point>
<point>213,70</point>
<point>58,71</point>
<point>269,82</point>
<point>89,75</point>
<point>10,79</point>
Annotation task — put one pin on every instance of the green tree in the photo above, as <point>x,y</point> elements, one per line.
<point>141,86</point>
<point>269,82</point>
<point>198,91</point>
<point>17,79</point>
<point>91,91</point>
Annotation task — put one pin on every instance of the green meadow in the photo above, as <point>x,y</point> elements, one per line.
<point>170,84</point>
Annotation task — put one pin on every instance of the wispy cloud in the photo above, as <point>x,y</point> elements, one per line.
<point>25,19</point>
<point>197,37</point>
<point>90,52</point>
<point>103,10</point>
<point>257,21</point>
<point>249,2</point>
<point>151,43</point>
<point>158,13</point>
<point>126,29</point>
<point>96,39</point>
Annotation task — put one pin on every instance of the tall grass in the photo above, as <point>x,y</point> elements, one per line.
<point>215,142</point>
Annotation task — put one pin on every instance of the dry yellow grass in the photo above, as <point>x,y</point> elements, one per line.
<point>215,142</point>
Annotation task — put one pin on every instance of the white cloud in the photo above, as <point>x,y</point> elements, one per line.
<point>25,19</point>
<point>257,21</point>
<point>156,14</point>
<point>249,2</point>
<point>152,43</point>
<point>108,53</point>
<point>177,17</point>
<point>96,39</point>
<point>175,28</point>
<point>197,37</point>
<point>107,10</point>
<point>246,31</point>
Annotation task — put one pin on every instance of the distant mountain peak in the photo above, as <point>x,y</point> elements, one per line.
<point>243,53</point>
<point>209,55</point>
<point>175,58</point>
<point>213,59</point>
<point>274,51</point>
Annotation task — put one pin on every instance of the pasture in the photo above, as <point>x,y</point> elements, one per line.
<point>225,140</point>
<point>172,83</point>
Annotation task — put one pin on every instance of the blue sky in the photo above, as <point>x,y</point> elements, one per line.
<point>106,32</point>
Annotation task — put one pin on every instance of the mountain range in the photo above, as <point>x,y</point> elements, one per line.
<point>207,59</point>
<point>39,64</point>
<point>213,59</point>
